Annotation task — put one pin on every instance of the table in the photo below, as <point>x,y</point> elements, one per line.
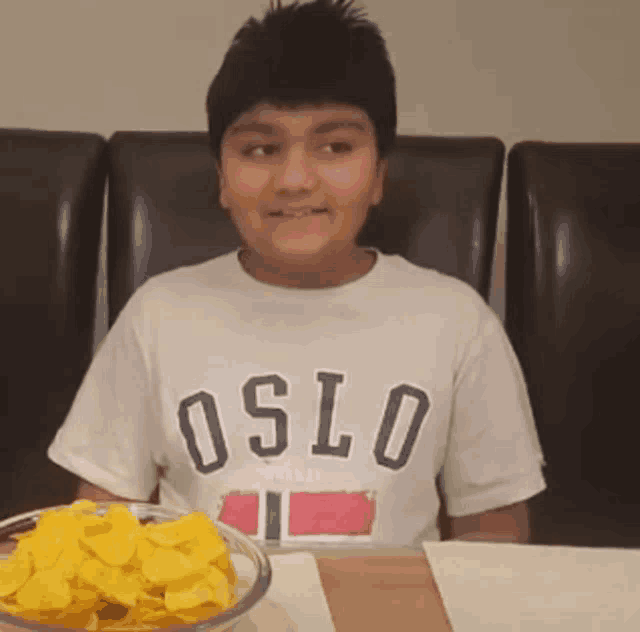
<point>389,589</point>
<point>475,586</point>
<point>472,586</point>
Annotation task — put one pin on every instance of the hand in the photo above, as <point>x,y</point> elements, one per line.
<point>504,524</point>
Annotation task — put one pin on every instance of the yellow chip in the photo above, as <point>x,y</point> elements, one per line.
<point>111,581</point>
<point>81,607</point>
<point>42,616</point>
<point>14,572</point>
<point>199,593</point>
<point>108,573</point>
<point>93,622</point>
<point>130,627</point>
<point>224,564</point>
<point>55,532</point>
<point>45,590</point>
<point>216,577</point>
<point>83,506</point>
<point>220,585</point>
<point>165,620</point>
<point>113,548</point>
<point>93,525</point>
<point>127,590</point>
<point>21,536</point>
<point>153,614</point>
<point>77,619</point>
<point>121,518</point>
<point>222,595</point>
<point>199,613</point>
<point>208,546</point>
<point>144,549</point>
<point>146,600</point>
<point>116,546</point>
<point>70,561</point>
<point>45,553</point>
<point>170,534</point>
<point>166,538</point>
<point>168,565</point>
<point>11,608</point>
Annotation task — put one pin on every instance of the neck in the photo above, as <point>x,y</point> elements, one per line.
<point>331,272</point>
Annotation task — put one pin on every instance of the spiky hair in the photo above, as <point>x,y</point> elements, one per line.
<point>306,54</point>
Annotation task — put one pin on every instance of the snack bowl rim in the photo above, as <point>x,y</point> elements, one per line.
<point>228,617</point>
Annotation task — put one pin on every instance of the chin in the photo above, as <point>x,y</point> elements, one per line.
<point>302,248</point>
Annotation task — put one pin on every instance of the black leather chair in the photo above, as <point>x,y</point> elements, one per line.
<point>440,208</point>
<point>51,207</point>
<point>573,315</point>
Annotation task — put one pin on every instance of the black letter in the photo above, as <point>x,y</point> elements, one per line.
<point>250,405</point>
<point>329,382</point>
<point>215,432</point>
<point>389,420</point>
<point>272,531</point>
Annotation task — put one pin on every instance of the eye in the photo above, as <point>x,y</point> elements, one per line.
<point>252,151</point>
<point>338,148</point>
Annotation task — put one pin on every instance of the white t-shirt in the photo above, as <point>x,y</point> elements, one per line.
<point>307,415</point>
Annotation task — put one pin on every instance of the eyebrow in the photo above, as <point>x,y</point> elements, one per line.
<point>268,130</point>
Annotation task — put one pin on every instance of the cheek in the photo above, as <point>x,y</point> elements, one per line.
<point>351,180</point>
<point>244,187</point>
<point>247,181</point>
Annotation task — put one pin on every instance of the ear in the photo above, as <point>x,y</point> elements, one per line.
<point>381,177</point>
<point>222,188</point>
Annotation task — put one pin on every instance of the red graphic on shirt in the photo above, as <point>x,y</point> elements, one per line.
<point>331,513</point>
<point>241,511</point>
<point>323,513</point>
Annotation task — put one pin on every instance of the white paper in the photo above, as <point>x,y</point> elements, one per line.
<point>295,601</point>
<point>530,588</point>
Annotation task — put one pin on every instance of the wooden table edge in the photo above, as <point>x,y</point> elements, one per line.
<point>382,581</point>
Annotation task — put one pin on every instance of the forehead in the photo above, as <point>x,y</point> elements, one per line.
<point>301,119</point>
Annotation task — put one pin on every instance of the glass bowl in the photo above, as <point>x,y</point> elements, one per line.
<point>250,563</point>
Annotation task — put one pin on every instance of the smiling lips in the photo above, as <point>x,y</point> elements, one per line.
<point>300,224</point>
<point>296,213</point>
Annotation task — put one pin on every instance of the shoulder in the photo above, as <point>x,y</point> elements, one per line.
<point>435,292</point>
<point>216,273</point>
<point>178,293</point>
<point>443,306</point>
<point>185,284</point>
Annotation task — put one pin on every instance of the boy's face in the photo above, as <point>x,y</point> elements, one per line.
<point>298,183</point>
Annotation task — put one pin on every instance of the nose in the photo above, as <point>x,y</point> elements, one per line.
<point>296,173</point>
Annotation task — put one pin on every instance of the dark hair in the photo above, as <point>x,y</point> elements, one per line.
<point>311,54</point>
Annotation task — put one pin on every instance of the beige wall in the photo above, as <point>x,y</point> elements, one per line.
<point>516,69</point>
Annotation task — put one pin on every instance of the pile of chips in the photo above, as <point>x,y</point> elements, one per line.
<point>81,570</point>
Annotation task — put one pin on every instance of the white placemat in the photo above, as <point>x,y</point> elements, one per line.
<point>295,601</point>
<point>527,588</point>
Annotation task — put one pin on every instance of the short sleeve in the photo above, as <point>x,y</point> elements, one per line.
<point>493,455</point>
<point>105,438</point>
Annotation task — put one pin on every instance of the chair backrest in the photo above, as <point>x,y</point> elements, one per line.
<point>439,210</point>
<point>573,308</point>
<point>51,207</point>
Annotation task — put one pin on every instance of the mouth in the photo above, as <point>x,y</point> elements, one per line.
<point>303,213</point>
<point>301,228</point>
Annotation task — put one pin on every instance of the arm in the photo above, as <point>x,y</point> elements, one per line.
<point>493,444</point>
<point>89,491</point>
<point>505,524</point>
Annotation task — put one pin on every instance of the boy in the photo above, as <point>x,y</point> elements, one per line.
<point>305,389</point>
